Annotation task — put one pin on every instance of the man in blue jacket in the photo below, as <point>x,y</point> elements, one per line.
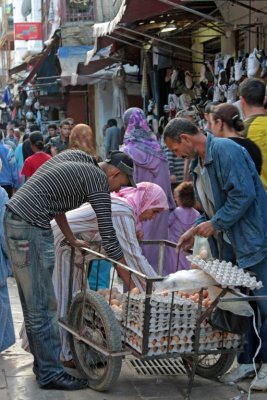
<point>234,201</point>
<point>9,175</point>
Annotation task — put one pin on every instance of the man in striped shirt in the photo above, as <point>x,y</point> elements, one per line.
<point>61,184</point>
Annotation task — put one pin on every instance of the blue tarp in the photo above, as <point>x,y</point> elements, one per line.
<point>72,51</point>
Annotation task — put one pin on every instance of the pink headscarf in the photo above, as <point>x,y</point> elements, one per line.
<point>144,197</point>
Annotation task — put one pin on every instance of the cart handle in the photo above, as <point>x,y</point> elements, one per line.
<point>242,298</point>
<point>99,255</point>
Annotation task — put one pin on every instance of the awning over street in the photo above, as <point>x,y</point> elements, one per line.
<point>137,10</point>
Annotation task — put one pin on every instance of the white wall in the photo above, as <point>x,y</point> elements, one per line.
<point>103,108</point>
<point>238,15</point>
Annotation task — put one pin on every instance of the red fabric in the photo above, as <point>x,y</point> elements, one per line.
<point>33,162</point>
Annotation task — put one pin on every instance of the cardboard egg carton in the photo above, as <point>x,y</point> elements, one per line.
<point>174,329</point>
<point>227,274</point>
<point>228,344</point>
<point>173,348</point>
<point>159,345</point>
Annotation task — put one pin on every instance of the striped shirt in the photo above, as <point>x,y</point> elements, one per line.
<point>63,183</point>
<point>176,164</point>
<point>83,223</point>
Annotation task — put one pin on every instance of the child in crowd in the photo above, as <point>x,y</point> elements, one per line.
<point>32,163</point>
<point>180,220</point>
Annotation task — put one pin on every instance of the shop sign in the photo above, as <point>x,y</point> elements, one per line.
<point>28,31</point>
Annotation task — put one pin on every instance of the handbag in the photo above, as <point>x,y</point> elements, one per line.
<point>227,321</point>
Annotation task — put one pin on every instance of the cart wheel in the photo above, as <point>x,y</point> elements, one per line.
<point>95,322</point>
<point>213,365</point>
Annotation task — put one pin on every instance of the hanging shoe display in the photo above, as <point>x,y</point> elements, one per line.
<point>222,80</point>
<point>261,57</point>
<point>253,64</point>
<point>216,93</point>
<point>231,93</point>
<point>218,64</point>
<point>238,70</point>
<point>188,80</point>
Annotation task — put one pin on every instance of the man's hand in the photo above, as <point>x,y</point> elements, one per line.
<point>124,274</point>
<point>173,178</point>
<point>205,229</point>
<point>186,241</point>
<point>122,261</point>
<point>140,235</point>
<point>78,243</point>
<point>53,151</point>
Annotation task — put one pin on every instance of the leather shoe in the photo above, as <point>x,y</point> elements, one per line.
<point>66,382</point>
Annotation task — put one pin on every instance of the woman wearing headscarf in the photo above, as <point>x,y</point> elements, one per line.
<point>7,334</point>
<point>82,138</point>
<point>130,208</point>
<point>151,165</point>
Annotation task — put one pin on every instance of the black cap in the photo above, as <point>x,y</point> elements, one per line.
<point>122,161</point>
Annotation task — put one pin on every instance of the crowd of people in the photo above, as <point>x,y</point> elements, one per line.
<point>59,188</point>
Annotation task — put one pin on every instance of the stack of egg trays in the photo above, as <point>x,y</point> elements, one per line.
<point>158,342</point>
<point>215,339</point>
<point>180,326</point>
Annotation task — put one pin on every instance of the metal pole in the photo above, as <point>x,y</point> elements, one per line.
<point>198,13</point>
<point>161,40</point>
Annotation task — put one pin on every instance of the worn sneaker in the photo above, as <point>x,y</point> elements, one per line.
<point>237,374</point>
<point>188,80</point>
<point>231,94</point>
<point>253,64</point>
<point>238,70</point>
<point>218,63</point>
<point>202,77</point>
<point>226,60</point>
<point>216,93</point>
<point>222,77</point>
<point>260,55</point>
<point>244,67</point>
<point>260,381</point>
<point>264,68</point>
<point>197,90</point>
<point>209,72</point>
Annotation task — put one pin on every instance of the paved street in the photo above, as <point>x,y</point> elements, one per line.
<point>17,381</point>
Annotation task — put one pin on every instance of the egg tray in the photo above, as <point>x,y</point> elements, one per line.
<point>229,344</point>
<point>158,346</point>
<point>159,302</point>
<point>226,274</point>
<point>223,338</point>
<point>177,327</point>
<point>135,341</point>
<point>159,316</point>
<point>180,331</point>
<point>160,325</point>
<point>183,306</point>
<point>174,330</point>
<point>157,351</point>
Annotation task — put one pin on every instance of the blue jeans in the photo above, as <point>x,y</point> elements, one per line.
<point>31,250</point>
<point>246,357</point>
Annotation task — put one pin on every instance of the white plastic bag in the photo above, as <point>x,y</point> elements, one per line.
<point>236,307</point>
<point>186,280</point>
<point>202,248</point>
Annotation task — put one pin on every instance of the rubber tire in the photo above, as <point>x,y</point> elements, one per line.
<point>220,367</point>
<point>111,329</point>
